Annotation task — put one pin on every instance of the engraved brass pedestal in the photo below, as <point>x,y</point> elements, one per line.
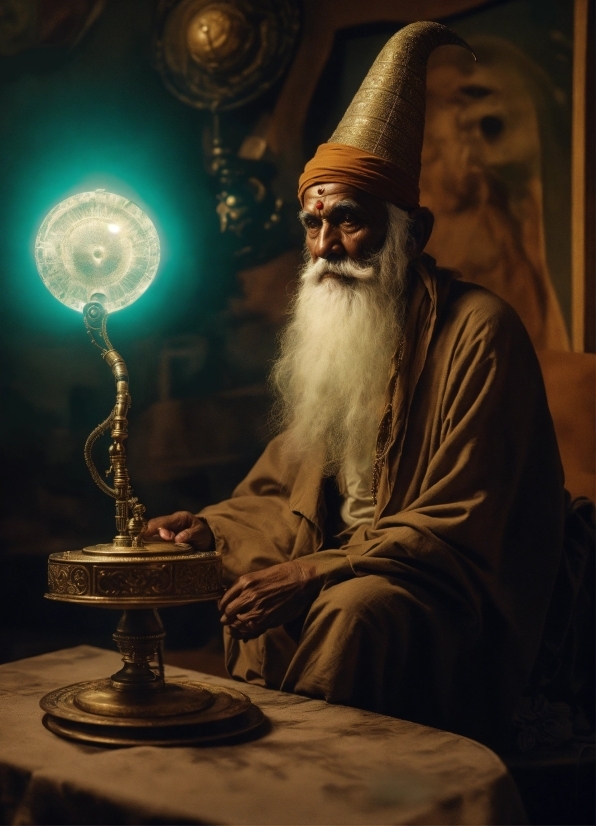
<point>136,705</point>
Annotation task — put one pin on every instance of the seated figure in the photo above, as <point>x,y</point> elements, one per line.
<point>396,546</point>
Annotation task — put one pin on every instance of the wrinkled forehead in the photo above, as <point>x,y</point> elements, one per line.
<point>322,197</point>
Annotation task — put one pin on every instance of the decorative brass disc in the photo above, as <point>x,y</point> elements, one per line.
<point>219,54</point>
<point>149,578</point>
<point>148,550</point>
<point>227,703</point>
<point>229,714</point>
<point>251,722</point>
<point>173,700</point>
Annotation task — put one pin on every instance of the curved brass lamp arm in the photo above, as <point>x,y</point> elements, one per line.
<point>129,512</point>
<point>104,332</point>
<point>91,439</point>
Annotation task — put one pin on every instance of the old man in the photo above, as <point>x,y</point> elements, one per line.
<point>396,546</point>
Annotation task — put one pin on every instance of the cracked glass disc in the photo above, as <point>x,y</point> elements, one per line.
<point>97,246</point>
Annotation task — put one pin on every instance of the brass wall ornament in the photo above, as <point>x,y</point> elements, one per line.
<point>96,252</point>
<point>249,212</point>
<point>222,54</point>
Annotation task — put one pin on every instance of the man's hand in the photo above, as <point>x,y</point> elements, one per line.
<point>182,526</point>
<point>268,598</point>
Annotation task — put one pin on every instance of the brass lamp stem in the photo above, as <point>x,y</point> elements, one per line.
<point>129,528</point>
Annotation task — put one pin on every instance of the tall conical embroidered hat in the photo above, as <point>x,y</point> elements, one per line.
<point>377,146</point>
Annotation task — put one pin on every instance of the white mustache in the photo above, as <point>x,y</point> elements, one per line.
<point>345,268</point>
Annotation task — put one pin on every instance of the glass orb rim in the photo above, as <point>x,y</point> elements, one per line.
<point>106,212</point>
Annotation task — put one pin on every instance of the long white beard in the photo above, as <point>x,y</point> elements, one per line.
<point>336,351</point>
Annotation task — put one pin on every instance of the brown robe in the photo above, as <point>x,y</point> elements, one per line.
<point>434,612</point>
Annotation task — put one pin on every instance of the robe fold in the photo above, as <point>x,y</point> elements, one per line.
<point>458,566</point>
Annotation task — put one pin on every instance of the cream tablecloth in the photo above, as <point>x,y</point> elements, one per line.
<point>319,764</point>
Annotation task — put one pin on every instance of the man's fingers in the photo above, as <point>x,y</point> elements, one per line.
<point>198,534</point>
<point>241,605</point>
<point>233,591</point>
<point>245,629</point>
<point>173,522</point>
<point>193,534</point>
<point>181,526</point>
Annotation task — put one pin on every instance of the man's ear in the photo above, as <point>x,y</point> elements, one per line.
<point>421,226</point>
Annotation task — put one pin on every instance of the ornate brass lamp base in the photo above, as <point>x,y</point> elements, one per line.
<point>157,575</point>
<point>136,706</point>
<point>226,715</point>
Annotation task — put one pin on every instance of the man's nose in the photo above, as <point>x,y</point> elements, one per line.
<point>328,242</point>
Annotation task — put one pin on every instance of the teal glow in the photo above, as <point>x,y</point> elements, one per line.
<point>99,117</point>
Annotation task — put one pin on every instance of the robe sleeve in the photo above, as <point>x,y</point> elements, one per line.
<point>257,528</point>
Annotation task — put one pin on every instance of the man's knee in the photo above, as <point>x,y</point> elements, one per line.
<point>367,598</point>
<point>374,615</point>
<point>344,650</point>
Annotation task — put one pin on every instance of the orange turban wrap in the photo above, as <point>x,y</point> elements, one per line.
<point>340,163</point>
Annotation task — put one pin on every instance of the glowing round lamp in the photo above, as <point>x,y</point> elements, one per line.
<point>98,252</point>
<point>97,246</point>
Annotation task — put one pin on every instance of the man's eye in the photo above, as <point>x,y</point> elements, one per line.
<point>350,219</point>
<point>310,224</point>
